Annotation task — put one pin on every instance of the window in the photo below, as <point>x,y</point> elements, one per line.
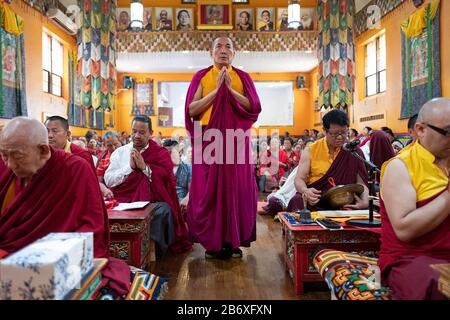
<point>375,69</point>
<point>52,65</point>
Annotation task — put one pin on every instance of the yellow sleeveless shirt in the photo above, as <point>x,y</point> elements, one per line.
<point>208,84</point>
<point>426,177</point>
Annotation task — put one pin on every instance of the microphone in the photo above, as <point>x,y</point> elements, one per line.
<point>352,145</point>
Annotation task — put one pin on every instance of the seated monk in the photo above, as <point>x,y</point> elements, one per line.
<point>112,142</point>
<point>45,190</point>
<point>143,171</point>
<point>325,163</point>
<point>415,208</point>
<point>58,138</point>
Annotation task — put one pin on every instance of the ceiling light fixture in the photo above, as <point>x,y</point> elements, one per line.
<point>137,14</point>
<point>294,14</point>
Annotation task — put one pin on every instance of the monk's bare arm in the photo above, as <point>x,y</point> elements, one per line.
<point>303,171</point>
<point>199,104</point>
<point>400,198</point>
<point>312,194</point>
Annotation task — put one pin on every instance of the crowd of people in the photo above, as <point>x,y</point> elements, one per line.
<point>53,182</point>
<point>284,152</point>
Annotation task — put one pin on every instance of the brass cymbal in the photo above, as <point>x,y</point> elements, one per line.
<point>341,195</point>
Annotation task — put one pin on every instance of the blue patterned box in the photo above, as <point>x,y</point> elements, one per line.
<point>47,269</point>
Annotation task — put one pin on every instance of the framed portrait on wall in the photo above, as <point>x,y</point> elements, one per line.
<point>163,19</point>
<point>282,19</point>
<point>123,19</point>
<point>214,15</point>
<point>307,19</point>
<point>143,98</point>
<point>265,19</point>
<point>148,23</point>
<point>185,19</point>
<point>244,19</point>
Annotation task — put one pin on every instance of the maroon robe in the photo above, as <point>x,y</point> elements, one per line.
<point>63,196</point>
<point>223,197</point>
<point>380,148</point>
<point>405,266</point>
<point>79,151</point>
<point>344,170</point>
<point>162,188</point>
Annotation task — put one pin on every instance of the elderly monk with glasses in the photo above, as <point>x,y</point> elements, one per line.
<point>325,164</point>
<point>415,208</point>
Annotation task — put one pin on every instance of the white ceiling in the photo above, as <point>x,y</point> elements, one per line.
<point>194,61</point>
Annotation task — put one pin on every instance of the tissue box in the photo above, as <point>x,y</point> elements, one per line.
<point>47,269</point>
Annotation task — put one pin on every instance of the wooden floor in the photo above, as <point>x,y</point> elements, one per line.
<point>259,275</point>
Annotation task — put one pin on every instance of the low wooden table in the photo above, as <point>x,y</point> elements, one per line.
<point>90,283</point>
<point>301,242</point>
<point>130,236</point>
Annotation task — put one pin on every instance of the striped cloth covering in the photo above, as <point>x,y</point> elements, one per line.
<point>350,276</point>
<point>146,286</point>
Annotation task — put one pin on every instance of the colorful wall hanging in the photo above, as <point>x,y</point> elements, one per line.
<point>420,59</point>
<point>96,56</point>
<point>12,64</point>
<point>336,53</point>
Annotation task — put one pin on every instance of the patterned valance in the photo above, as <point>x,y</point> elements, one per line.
<point>128,42</point>
<point>364,18</point>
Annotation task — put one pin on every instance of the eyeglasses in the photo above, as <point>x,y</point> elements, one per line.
<point>439,130</point>
<point>344,134</point>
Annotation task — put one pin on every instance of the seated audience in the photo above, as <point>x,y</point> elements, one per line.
<point>353,134</point>
<point>112,142</point>
<point>365,136</point>
<point>143,171</point>
<point>396,144</point>
<point>411,132</point>
<point>272,164</point>
<point>415,208</point>
<point>291,156</point>
<point>325,159</point>
<point>182,172</point>
<point>58,138</point>
<point>45,190</point>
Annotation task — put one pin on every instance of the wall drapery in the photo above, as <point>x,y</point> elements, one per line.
<point>12,64</point>
<point>96,66</point>
<point>421,59</point>
<point>336,53</point>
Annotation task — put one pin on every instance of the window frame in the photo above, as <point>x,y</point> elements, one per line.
<point>378,71</point>
<point>51,75</point>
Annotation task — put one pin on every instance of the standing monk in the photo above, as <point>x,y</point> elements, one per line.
<point>223,197</point>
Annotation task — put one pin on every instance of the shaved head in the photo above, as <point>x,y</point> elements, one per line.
<point>24,146</point>
<point>23,130</point>
<point>433,127</point>
<point>433,109</point>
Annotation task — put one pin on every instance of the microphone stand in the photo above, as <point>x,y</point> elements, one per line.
<point>373,169</point>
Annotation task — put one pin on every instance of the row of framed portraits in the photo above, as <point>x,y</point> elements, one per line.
<point>216,17</point>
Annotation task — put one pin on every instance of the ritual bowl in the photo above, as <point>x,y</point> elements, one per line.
<point>341,195</point>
